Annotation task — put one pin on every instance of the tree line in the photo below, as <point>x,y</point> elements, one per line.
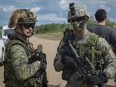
<point>57,27</point>
<point>52,28</point>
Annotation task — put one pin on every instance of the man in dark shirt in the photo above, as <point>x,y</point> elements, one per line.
<point>102,29</point>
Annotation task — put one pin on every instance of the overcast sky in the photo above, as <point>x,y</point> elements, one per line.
<point>54,11</point>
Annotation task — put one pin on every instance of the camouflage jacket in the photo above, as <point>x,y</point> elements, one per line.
<point>102,46</point>
<point>18,72</point>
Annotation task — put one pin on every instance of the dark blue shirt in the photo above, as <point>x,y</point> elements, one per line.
<point>106,32</point>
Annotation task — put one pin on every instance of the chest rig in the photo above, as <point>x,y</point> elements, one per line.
<point>91,51</point>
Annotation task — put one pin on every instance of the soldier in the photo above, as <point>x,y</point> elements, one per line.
<point>21,66</point>
<point>95,50</point>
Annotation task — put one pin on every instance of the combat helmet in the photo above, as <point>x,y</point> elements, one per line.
<point>77,12</point>
<point>22,16</point>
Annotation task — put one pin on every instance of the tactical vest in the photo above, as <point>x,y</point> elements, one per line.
<point>11,80</point>
<point>89,50</point>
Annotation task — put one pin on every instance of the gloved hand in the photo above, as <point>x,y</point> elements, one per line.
<point>43,61</point>
<point>63,52</point>
<point>97,80</point>
<point>69,62</point>
<point>43,66</point>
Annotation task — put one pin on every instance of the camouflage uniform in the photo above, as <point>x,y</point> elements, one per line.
<point>89,45</point>
<point>20,68</point>
<point>102,45</point>
<point>18,71</point>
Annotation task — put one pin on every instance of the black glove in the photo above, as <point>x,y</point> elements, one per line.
<point>43,61</point>
<point>43,66</point>
<point>97,80</point>
<point>69,62</point>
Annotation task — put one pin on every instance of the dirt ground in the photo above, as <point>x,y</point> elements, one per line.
<point>49,47</point>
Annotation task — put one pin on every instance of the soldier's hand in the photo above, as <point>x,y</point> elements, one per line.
<point>62,52</point>
<point>43,61</point>
<point>33,58</point>
<point>69,62</point>
<point>96,80</point>
<point>43,58</point>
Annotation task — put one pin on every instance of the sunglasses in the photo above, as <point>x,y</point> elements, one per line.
<point>28,25</point>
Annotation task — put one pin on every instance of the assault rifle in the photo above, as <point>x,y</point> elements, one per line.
<point>39,55</point>
<point>42,58</point>
<point>84,66</point>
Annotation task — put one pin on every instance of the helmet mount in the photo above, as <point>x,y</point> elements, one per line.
<point>77,12</point>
